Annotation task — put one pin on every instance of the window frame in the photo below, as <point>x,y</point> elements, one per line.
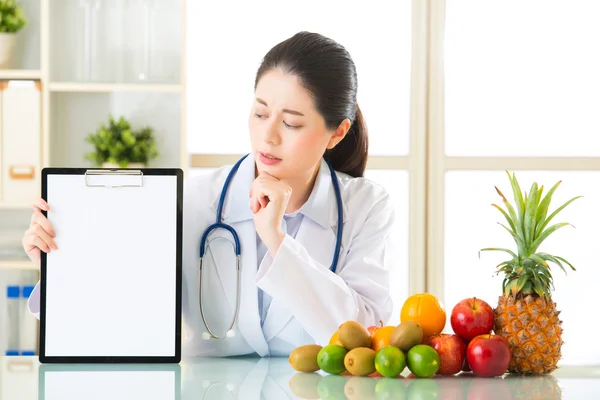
<point>438,163</point>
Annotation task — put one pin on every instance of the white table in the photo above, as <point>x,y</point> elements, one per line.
<point>24,378</point>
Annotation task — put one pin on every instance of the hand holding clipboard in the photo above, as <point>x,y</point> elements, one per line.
<point>40,235</point>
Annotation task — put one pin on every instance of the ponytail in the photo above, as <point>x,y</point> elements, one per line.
<point>350,155</point>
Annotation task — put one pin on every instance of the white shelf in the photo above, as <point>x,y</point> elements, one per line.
<point>113,87</point>
<point>24,265</point>
<point>7,74</point>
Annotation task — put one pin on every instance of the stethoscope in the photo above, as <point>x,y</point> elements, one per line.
<point>230,333</point>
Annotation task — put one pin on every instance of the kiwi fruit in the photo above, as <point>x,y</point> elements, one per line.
<point>305,385</point>
<point>359,388</point>
<point>304,358</point>
<point>352,334</point>
<point>406,335</point>
<point>360,361</point>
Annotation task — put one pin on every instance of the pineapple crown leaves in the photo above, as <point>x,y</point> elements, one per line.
<point>528,271</point>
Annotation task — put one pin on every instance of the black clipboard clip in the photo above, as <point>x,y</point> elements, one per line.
<point>90,174</point>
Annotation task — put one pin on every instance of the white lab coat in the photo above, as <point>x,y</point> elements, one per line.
<point>309,302</point>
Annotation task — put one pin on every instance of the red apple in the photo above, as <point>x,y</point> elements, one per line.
<point>488,355</point>
<point>451,388</point>
<point>373,328</point>
<point>451,350</point>
<point>472,317</point>
<point>490,389</point>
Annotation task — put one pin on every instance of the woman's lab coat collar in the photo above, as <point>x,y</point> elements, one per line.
<point>237,202</point>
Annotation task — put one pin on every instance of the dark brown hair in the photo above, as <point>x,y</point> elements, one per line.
<point>326,70</point>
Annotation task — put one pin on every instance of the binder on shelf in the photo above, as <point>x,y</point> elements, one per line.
<point>21,132</point>
<point>1,147</point>
<point>28,325</point>
<point>13,293</point>
<point>111,293</point>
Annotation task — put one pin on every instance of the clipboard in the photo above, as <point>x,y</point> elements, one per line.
<point>111,293</point>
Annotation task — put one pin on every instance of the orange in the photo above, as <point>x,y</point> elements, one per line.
<point>334,339</point>
<point>425,309</point>
<point>381,337</point>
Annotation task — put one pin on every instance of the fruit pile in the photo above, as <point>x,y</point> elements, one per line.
<point>417,343</point>
<point>357,350</point>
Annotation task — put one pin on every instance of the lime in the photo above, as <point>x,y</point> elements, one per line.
<point>390,361</point>
<point>423,361</point>
<point>331,359</point>
<point>426,389</point>
<point>390,389</point>
<point>331,387</point>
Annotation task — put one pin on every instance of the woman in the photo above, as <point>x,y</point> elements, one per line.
<point>282,203</point>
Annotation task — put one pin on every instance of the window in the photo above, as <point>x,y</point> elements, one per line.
<point>221,72</point>
<point>514,86</point>
<point>220,79</point>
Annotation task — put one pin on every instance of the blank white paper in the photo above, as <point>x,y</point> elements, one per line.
<point>111,285</point>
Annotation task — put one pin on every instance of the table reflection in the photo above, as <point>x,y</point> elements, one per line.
<point>275,379</point>
<point>236,378</point>
<point>464,386</point>
<point>109,381</point>
<point>23,378</point>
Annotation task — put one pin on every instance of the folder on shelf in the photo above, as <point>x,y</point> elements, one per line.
<point>20,139</point>
<point>111,293</point>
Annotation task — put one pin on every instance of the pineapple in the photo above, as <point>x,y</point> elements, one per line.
<point>526,315</point>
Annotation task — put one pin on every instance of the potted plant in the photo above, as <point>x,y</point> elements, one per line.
<point>11,22</point>
<point>119,146</point>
